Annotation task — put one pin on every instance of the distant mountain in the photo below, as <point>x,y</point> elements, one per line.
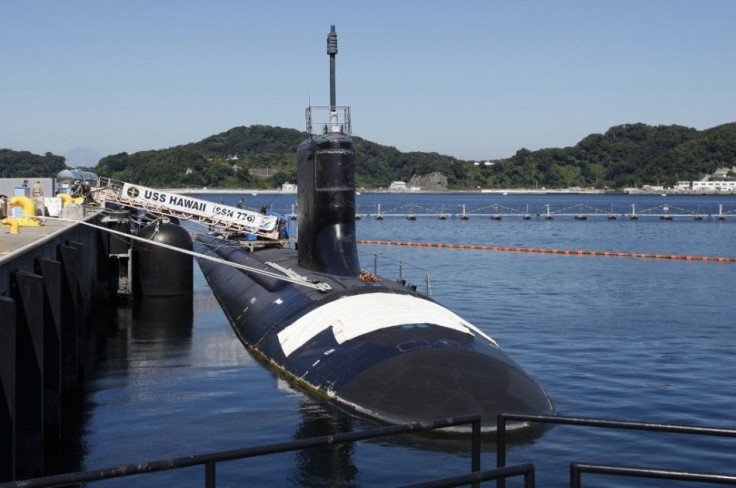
<point>82,156</point>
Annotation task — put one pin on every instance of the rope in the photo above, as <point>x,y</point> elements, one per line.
<point>296,281</point>
<point>567,252</point>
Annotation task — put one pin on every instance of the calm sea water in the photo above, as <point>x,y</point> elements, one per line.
<point>622,338</point>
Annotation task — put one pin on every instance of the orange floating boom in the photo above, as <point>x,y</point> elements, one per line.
<point>567,252</point>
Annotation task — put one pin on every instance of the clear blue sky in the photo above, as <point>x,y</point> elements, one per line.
<point>472,79</point>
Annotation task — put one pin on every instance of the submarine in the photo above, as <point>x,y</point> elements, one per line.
<point>372,346</point>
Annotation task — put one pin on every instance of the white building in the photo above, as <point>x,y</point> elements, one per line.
<point>397,186</point>
<point>714,186</point>
<point>288,188</point>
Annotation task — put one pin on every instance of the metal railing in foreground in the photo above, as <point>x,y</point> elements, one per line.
<point>576,469</point>
<point>526,470</point>
<point>210,460</point>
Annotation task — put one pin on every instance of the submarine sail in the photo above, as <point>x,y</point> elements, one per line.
<point>373,346</point>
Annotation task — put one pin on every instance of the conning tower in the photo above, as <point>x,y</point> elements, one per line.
<point>326,186</point>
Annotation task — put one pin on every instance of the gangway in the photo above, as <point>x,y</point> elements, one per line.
<point>226,217</point>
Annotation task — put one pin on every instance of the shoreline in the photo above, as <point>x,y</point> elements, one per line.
<point>504,192</point>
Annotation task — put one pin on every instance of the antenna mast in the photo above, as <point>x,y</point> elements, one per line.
<point>332,51</point>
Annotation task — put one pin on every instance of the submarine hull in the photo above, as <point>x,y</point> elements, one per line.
<point>371,345</point>
<point>378,349</point>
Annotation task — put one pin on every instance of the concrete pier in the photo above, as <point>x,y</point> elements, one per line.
<point>49,276</point>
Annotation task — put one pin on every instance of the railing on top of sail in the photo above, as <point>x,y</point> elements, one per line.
<point>323,119</point>
<point>226,217</point>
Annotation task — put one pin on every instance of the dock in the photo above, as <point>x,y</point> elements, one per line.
<point>15,244</point>
<point>663,211</point>
<point>49,277</point>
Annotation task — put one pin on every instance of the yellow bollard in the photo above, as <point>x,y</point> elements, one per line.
<point>66,199</point>
<point>13,224</point>
<point>29,213</point>
<point>29,208</point>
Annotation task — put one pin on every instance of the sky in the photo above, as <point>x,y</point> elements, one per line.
<point>470,79</point>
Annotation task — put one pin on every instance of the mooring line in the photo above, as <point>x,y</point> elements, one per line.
<point>150,241</point>
<point>566,252</point>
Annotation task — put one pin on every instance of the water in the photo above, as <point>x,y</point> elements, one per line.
<point>622,338</point>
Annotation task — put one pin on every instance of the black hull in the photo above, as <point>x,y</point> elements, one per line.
<point>367,344</point>
<point>378,349</point>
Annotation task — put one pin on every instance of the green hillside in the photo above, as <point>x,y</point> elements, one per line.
<point>625,156</point>
<point>23,164</point>
<point>229,159</point>
<point>265,157</point>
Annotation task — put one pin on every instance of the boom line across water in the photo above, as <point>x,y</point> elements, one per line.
<point>566,252</point>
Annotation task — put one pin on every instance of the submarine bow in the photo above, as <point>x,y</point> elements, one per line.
<point>373,346</point>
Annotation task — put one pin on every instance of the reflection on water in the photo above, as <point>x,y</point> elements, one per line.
<point>165,321</point>
<point>156,328</point>
<point>323,466</point>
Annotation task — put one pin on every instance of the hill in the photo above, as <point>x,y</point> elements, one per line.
<point>239,157</point>
<point>262,156</point>
<point>626,155</point>
<point>23,164</point>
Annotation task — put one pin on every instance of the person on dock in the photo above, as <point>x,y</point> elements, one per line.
<point>87,194</point>
<point>37,191</point>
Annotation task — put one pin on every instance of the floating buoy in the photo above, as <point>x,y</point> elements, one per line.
<point>527,217</point>
<point>611,217</point>
<point>411,217</point>
<point>581,217</point>
<point>495,217</point>
<point>158,271</point>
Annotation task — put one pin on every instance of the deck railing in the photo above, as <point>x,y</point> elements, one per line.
<point>210,460</point>
<point>500,473</point>
<point>576,469</point>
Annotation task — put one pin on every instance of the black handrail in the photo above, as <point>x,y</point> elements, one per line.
<point>209,460</point>
<point>576,470</point>
<point>591,422</point>
<point>527,470</point>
